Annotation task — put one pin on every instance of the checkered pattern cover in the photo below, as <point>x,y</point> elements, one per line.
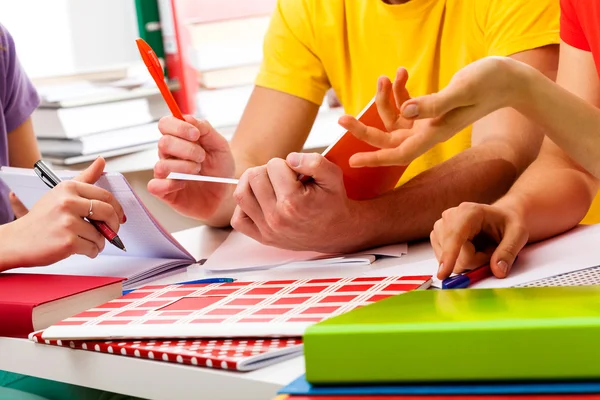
<point>283,308</point>
<point>236,354</point>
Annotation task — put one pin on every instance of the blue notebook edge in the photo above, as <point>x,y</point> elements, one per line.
<point>301,386</point>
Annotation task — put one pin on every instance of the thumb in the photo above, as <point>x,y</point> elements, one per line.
<point>434,105</point>
<point>18,208</point>
<point>92,173</point>
<point>325,173</point>
<point>515,238</point>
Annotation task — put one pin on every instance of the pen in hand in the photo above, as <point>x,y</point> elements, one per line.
<point>52,180</point>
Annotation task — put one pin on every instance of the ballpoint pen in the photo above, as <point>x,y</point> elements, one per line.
<point>51,180</point>
<point>466,279</point>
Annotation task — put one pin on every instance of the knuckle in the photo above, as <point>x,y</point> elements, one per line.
<point>68,185</point>
<point>164,144</point>
<point>287,207</point>
<point>70,242</point>
<point>163,124</point>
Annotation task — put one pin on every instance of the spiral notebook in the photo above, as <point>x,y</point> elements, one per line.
<point>582,277</point>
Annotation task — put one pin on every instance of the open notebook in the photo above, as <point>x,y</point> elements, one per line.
<point>151,250</point>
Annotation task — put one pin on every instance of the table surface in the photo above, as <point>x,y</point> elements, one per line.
<point>161,380</point>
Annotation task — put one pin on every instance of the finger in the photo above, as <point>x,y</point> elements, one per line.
<point>452,241</point>
<point>18,207</point>
<point>92,173</point>
<point>243,224</point>
<point>161,188</point>
<point>85,247</point>
<point>399,87</point>
<point>163,168</point>
<point>89,233</point>
<point>515,238</point>
<point>246,200</point>
<point>435,243</point>
<point>103,212</point>
<point>92,192</point>
<point>385,103</point>
<point>209,139</point>
<point>469,258</point>
<point>378,158</point>
<point>437,104</point>
<point>325,173</point>
<point>186,130</point>
<point>373,136</point>
<point>284,180</point>
<point>174,147</point>
<point>262,188</point>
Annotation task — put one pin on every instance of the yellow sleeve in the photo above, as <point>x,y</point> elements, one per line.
<point>290,63</point>
<point>512,26</point>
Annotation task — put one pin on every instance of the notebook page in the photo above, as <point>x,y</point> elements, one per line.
<point>239,252</point>
<point>142,235</point>
<point>134,269</point>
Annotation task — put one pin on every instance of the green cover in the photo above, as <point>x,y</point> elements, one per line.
<point>149,25</point>
<point>461,335</point>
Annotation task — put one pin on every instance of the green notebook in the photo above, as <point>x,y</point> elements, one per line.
<point>542,333</point>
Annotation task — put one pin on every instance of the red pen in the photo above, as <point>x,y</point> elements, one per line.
<point>51,180</point>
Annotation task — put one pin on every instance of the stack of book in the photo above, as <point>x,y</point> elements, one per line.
<point>80,120</point>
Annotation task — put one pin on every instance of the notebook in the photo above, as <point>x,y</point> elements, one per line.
<point>232,354</point>
<point>283,308</point>
<point>30,302</point>
<point>259,256</point>
<point>303,388</point>
<point>151,250</point>
<point>483,335</point>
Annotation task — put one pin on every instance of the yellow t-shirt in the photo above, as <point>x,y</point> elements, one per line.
<point>312,45</point>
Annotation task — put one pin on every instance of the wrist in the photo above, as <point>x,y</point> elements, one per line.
<point>8,256</point>
<point>514,204</point>
<point>521,77</point>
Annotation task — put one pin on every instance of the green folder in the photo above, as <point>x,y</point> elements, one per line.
<point>149,25</point>
<point>545,333</point>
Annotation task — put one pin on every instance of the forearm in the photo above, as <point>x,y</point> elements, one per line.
<point>409,212</point>
<point>571,122</point>
<point>551,197</point>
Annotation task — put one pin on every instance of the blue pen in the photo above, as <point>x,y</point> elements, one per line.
<point>199,281</point>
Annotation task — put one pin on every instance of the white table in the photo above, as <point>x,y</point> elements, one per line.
<point>160,380</point>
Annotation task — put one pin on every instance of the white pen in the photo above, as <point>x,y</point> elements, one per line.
<point>201,178</point>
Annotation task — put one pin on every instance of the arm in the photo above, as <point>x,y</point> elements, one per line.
<point>551,196</point>
<point>504,143</point>
<point>22,146</point>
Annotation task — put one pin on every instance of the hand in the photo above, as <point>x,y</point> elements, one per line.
<point>475,91</point>
<point>54,228</point>
<point>472,235</point>
<point>389,99</point>
<point>191,147</point>
<point>277,209</point>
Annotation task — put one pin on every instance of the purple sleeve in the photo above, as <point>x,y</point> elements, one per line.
<point>19,97</point>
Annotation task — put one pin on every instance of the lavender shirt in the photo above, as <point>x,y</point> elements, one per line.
<point>18,99</point>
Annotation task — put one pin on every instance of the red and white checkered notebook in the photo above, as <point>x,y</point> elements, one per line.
<point>236,354</point>
<point>261,309</point>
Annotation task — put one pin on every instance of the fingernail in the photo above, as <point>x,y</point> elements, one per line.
<point>440,268</point>
<point>503,266</point>
<point>411,110</point>
<point>294,159</point>
<point>124,218</point>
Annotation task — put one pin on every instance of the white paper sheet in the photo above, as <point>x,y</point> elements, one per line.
<point>239,252</point>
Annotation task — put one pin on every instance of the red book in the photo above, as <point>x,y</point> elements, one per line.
<point>29,302</point>
<point>232,354</point>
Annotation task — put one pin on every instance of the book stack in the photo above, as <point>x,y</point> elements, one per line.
<point>224,47</point>
<point>236,325</point>
<point>80,120</point>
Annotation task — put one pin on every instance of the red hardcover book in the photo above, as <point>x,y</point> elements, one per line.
<point>237,354</point>
<point>29,302</point>
<point>262,309</point>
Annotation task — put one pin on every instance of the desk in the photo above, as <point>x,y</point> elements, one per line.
<point>158,380</point>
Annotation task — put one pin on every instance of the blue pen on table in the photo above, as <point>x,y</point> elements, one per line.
<point>198,282</point>
<point>462,281</point>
